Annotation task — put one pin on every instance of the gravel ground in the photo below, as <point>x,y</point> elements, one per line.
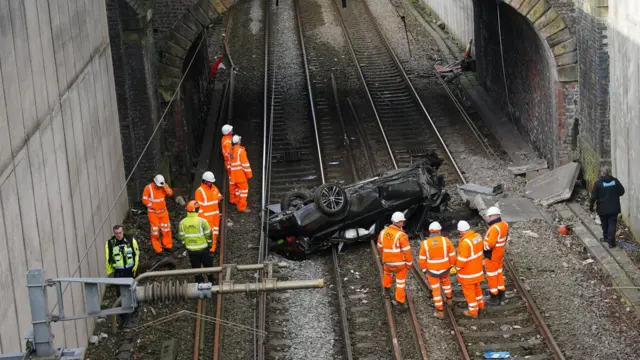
<point>587,320</point>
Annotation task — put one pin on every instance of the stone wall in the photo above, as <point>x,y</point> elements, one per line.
<point>624,52</point>
<point>61,165</point>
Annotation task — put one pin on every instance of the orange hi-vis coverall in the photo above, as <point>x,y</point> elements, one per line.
<point>469,267</point>
<point>209,198</point>
<point>437,255</point>
<point>393,245</point>
<point>240,174</point>
<point>153,198</point>
<point>226,153</point>
<point>494,243</point>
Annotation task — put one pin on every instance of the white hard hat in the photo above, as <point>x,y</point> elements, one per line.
<point>208,176</point>
<point>159,180</point>
<point>463,226</point>
<point>435,226</point>
<point>493,211</point>
<point>226,129</point>
<point>397,217</point>
<point>236,139</point>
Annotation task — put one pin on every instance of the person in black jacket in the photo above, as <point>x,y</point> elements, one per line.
<point>606,194</point>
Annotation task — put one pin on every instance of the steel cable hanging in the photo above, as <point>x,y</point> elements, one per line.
<point>155,130</point>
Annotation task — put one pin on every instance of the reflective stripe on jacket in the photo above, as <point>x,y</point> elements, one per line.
<point>437,255</point>
<point>226,148</point>
<point>469,262</point>
<point>153,197</point>
<point>121,254</point>
<point>195,232</point>
<point>240,170</point>
<point>208,197</point>
<point>495,240</point>
<point>393,245</point>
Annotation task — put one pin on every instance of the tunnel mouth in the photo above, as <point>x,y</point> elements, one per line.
<point>518,72</point>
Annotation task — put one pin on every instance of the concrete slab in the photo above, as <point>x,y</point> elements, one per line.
<point>532,166</point>
<point>486,190</point>
<point>518,209</point>
<point>554,186</point>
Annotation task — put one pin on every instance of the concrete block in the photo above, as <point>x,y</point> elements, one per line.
<point>554,27</point>
<point>559,38</point>
<point>475,188</point>
<point>537,11</point>
<point>518,210</point>
<point>568,73</point>
<point>527,5</point>
<point>516,3</point>
<point>565,47</point>
<point>567,59</point>
<point>181,29</point>
<point>555,186</point>
<point>546,18</point>
<point>532,166</point>
<point>16,252</point>
<point>199,15</point>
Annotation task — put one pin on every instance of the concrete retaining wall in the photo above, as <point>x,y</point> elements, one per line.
<point>456,14</point>
<point>624,52</point>
<point>60,155</point>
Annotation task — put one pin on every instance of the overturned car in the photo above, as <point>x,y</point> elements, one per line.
<point>333,214</point>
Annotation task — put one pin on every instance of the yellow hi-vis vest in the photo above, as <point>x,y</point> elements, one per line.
<point>121,255</point>
<point>195,232</point>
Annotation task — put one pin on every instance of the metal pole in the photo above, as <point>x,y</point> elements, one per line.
<point>210,270</point>
<point>42,337</point>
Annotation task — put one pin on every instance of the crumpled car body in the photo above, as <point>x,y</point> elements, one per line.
<point>312,224</point>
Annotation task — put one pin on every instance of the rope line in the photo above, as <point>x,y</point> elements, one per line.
<point>155,130</point>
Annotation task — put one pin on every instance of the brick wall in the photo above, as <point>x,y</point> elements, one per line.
<point>165,15</point>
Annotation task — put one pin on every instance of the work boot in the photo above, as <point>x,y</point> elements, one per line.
<point>450,301</point>
<point>387,292</point>
<point>612,245</point>
<point>468,314</point>
<point>439,314</point>
<point>401,307</point>
<point>603,240</point>
<point>502,296</point>
<point>494,299</point>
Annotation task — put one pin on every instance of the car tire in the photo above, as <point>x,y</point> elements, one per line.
<point>331,199</point>
<point>293,199</point>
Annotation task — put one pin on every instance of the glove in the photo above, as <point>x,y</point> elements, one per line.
<point>212,249</point>
<point>453,271</point>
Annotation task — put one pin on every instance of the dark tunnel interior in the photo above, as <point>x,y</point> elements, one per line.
<point>529,68</point>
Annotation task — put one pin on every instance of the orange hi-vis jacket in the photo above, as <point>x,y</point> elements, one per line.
<point>437,255</point>
<point>208,199</point>
<point>393,245</point>
<point>226,148</point>
<point>153,197</point>
<point>239,165</point>
<point>470,256</point>
<point>495,240</point>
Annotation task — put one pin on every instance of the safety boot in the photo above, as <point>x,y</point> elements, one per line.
<point>386,292</point>
<point>502,296</point>
<point>401,307</point>
<point>450,301</point>
<point>468,314</point>
<point>494,299</point>
<point>439,314</point>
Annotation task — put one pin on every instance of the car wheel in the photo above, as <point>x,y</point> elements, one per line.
<point>331,199</point>
<point>293,200</point>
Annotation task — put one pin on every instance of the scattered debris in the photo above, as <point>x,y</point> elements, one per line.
<point>440,25</point>
<point>537,164</point>
<point>496,355</point>
<point>554,186</point>
<point>94,340</point>
<point>518,210</point>
<point>588,261</point>
<point>180,201</point>
<point>103,336</point>
<point>530,233</point>
<point>498,189</point>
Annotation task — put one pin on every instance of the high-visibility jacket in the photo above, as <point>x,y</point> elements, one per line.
<point>121,254</point>
<point>208,197</point>
<point>226,148</point>
<point>469,262</point>
<point>495,240</point>
<point>437,255</point>
<point>393,245</point>
<point>195,232</point>
<point>239,165</point>
<point>153,197</point>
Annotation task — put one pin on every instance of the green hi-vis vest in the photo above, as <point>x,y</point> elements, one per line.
<point>195,232</point>
<point>122,254</point>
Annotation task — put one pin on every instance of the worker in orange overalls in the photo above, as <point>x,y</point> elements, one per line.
<point>469,268</point>
<point>494,243</point>
<point>227,136</point>
<point>437,255</point>
<point>393,245</point>
<point>208,196</point>
<point>240,172</point>
<point>153,198</point>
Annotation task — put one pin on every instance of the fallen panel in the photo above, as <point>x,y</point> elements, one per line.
<point>554,186</point>
<point>537,164</point>
<point>498,189</point>
<point>518,210</point>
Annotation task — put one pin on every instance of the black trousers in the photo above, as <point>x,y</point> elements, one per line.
<point>202,258</point>
<point>609,224</point>
<point>123,273</point>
